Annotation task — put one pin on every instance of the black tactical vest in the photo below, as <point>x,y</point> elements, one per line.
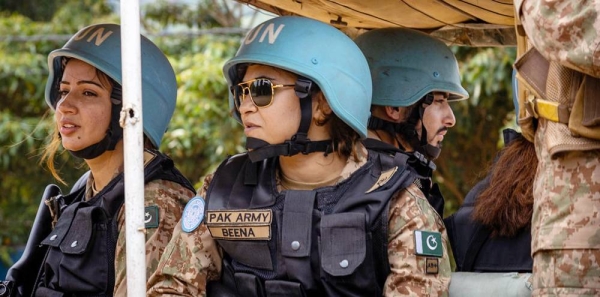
<point>330,241</point>
<point>81,248</point>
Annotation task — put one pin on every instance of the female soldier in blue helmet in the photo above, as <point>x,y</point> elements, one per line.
<point>308,210</point>
<point>86,247</point>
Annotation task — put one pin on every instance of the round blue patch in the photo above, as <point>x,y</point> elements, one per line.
<point>193,214</point>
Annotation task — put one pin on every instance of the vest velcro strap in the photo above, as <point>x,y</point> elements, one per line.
<point>552,111</point>
<point>297,223</point>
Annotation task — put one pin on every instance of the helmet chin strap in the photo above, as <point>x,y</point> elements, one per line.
<point>259,149</point>
<point>113,134</point>
<point>389,127</point>
<point>420,144</point>
<point>423,153</point>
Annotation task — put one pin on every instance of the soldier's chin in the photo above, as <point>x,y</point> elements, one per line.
<point>437,144</point>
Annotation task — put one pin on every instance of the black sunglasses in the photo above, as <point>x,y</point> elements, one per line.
<point>261,91</point>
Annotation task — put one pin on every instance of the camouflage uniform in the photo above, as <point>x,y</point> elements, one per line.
<point>170,198</point>
<point>566,218</point>
<point>409,211</point>
<point>192,259</point>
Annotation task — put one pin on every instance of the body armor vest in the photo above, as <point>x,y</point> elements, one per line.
<point>81,248</point>
<point>330,241</point>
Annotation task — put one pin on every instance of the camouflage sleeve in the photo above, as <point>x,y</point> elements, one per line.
<point>168,198</point>
<point>564,31</point>
<point>188,263</point>
<point>411,274</point>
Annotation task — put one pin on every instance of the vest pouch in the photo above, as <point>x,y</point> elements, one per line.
<point>279,288</point>
<point>248,284</point>
<point>585,115</point>
<point>347,264</point>
<point>78,260</point>
<point>343,244</point>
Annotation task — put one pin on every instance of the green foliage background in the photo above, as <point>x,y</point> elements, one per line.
<point>201,133</point>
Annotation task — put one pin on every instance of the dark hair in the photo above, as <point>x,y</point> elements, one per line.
<point>506,206</point>
<point>343,137</point>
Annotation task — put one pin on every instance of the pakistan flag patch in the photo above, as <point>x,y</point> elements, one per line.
<point>428,244</point>
<point>151,216</point>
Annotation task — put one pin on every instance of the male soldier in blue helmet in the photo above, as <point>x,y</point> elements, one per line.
<point>415,77</point>
<point>308,210</point>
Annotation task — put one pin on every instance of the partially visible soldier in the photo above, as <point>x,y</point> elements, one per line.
<point>561,114</point>
<point>415,77</point>
<point>79,248</point>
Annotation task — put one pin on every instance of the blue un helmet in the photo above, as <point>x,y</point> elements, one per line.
<point>316,52</point>
<point>406,66</point>
<point>100,46</point>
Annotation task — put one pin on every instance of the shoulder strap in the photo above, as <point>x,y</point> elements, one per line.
<point>380,146</point>
<point>240,183</point>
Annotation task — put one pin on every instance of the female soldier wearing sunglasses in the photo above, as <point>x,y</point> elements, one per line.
<point>308,210</point>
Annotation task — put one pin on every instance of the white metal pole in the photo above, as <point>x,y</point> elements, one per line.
<point>131,119</point>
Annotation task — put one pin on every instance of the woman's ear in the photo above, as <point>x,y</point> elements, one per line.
<point>320,106</point>
<point>321,109</point>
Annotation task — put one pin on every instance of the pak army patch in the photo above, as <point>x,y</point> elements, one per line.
<point>193,214</point>
<point>428,244</point>
<point>242,224</point>
<point>151,216</point>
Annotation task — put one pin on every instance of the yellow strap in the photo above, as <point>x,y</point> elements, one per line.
<point>552,111</point>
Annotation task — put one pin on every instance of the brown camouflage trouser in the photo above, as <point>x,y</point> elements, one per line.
<point>566,273</point>
<point>566,218</point>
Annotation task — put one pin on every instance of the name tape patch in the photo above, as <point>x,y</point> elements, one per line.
<point>432,266</point>
<point>240,224</point>
<point>193,214</point>
<point>428,243</point>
